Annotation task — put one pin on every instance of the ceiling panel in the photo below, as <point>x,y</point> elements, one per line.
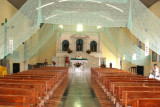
<point>19,3</point>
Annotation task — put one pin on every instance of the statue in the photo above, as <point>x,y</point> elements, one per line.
<point>66,46</point>
<point>79,48</point>
<point>93,48</point>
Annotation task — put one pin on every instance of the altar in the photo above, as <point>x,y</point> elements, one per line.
<point>78,44</point>
<point>82,61</point>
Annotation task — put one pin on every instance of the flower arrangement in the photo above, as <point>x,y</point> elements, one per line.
<point>77,64</point>
<point>88,51</point>
<point>103,66</point>
<point>70,51</point>
<point>53,62</point>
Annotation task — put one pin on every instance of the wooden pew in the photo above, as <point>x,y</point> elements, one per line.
<point>128,96</point>
<point>146,102</point>
<point>39,89</point>
<point>41,81</point>
<point>116,84</point>
<point>45,83</point>
<point>14,100</point>
<point>18,91</point>
<point>125,86</point>
<point>108,84</point>
<point>120,89</point>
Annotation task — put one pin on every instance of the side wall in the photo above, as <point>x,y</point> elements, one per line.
<point>7,10</point>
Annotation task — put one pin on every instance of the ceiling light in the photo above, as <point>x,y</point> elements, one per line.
<point>94,1</point>
<point>79,28</point>
<point>115,7</point>
<point>50,17</point>
<point>59,14</point>
<point>60,26</point>
<point>106,18</point>
<point>99,27</point>
<point>124,58</point>
<point>45,5</point>
<point>134,57</point>
<point>62,0</point>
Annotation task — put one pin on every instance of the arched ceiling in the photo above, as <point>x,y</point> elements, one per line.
<point>19,3</point>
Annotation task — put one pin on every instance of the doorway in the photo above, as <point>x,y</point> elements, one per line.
<point>16,67</point>
<point>140,70</point>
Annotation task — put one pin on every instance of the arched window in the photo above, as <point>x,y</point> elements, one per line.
<point>93,46</point>
<point>79,45</point>
<point>65,45</point>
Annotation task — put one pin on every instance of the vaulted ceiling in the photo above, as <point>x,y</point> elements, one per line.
<point>19,3</point>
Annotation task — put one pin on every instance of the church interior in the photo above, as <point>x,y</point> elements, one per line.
<point>79,53</point>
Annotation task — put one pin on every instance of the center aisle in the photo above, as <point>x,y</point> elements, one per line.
<point>79,92</point>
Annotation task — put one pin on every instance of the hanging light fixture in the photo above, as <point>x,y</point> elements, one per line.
<point>134,57</point>
<point>79,28</point>
<point>99,27</point>
<point>60,26</point>
<point>124,58</point>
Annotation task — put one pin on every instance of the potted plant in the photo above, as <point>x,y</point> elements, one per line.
<point>88,51</point>
<point>77,64</point>
<point>69,51</point>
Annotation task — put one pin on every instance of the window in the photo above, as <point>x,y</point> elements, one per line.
<point>93,46</point>
<point>65,45</point>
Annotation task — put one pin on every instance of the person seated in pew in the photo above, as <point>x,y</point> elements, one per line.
<point>154,72</point>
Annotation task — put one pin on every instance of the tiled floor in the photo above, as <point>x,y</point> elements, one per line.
<point>79,92</point>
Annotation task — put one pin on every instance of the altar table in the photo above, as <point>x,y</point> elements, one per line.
<point>80,60</point>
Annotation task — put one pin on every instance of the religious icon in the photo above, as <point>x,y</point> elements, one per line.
<point>79,45</point>
<point>154,56</point>
<point>93,46</point>
<point>65,45</point>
